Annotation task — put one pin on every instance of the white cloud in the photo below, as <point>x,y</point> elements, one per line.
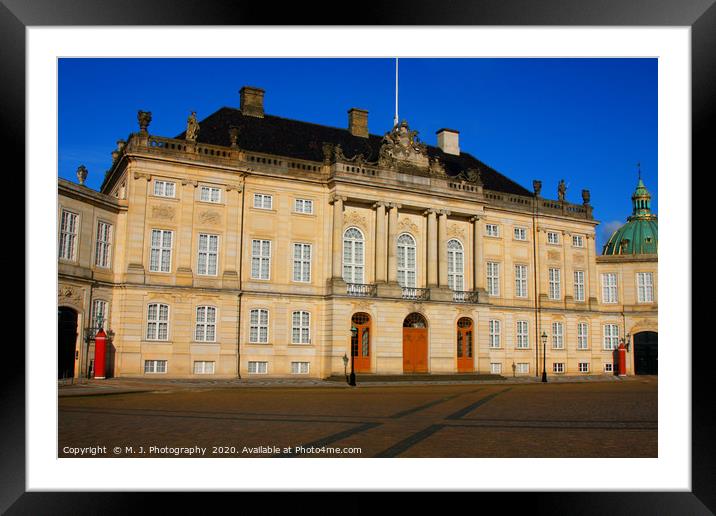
<point>605,231</point>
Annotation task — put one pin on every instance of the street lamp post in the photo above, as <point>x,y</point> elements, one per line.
<point>354,338</point>
<point>544,357</point>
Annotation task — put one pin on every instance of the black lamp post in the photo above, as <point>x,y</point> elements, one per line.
<point>544,357</point>
<point>354,337</point>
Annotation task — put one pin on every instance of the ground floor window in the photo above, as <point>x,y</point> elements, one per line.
<point>258,367</point>
<point>609,368</point>
<point>558,367</point>
<point>523,368</point>
<point>155,366</point>
<point>496,368</point>
<point>584,367</point>
<point>299,367</point>
<point>203,367</point>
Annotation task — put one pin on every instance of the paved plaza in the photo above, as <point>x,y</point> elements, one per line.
<point>319,419</point>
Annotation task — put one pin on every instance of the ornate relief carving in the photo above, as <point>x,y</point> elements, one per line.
<point>456,231</point>
<point>362,306</point>
<point>163,212</point>
<point>578,258</point>
<point>210,217</point>
<point>69,295</point>
<point>553,255</point>
<point>408,225</point>
<point>352,218</point>
<point>401,145</point>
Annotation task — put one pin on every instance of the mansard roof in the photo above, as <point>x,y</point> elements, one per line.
<point>304,140</point>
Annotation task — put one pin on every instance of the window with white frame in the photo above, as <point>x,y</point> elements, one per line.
<point>155,366</point>
<point>258,326</point>
<point>522,368</point>
<point>301,327</point>
<point>208,254</point>
<point>496,367</point>
<point>103,245</point>
<point>557,335</point>
<point>302,262</point>
<point>157,321</point>
<point>494,326</point>
<point>209,194</point>
<point>579,285</point>
<point>260,259</point>
<point>584,367</point>
<point>353,263</point>
<point>582,335</point>
<point>406,260</point>
<point>493,278</point>
<point>552,237</point>
<point>303,206</point>
<point>645,287</point>
<point>558,367</point>
<point>609,287</point>
<point>577,241</point>
<point>68,235</point>
<point>160,258</point>
<point>99,315</point>
<point>164,188</point>
<point>608,367</point>
<point>520,281</point>
<point>555,283</point>
<point>611,336</point>
<point>492,230</point>
<point>263,201</point>
<point>205,330</point>
<point>299,367</point>
<point>256,367</point>
<point>523,338</point>
<point>456,265</point>
<point>204,367</point>
<point>520,233</point>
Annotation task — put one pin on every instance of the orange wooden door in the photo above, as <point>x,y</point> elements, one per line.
<point>465,360</point>
<point>415,350</point>
<point>360,343</point>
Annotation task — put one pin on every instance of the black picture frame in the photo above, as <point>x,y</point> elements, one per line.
<point>700,15</point>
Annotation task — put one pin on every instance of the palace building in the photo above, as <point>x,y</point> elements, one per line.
<point>252,245</point>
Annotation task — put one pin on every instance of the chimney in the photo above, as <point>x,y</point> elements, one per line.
<point>252,101</point>
<point>448,141</point>
<point>358,122</point>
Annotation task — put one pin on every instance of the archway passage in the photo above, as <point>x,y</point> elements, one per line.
<point>465,362</point>
<point>415,344</point>
<point>66,342</point>
<point>360,342</point>
<point>646,353</point>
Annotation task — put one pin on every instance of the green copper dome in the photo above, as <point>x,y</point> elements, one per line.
<point>640,235</point>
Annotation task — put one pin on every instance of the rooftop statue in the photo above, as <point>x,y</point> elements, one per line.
<point>403,145</point>
<point>561,190</point>
<point>192,127</point>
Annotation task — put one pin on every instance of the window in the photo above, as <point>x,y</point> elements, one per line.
<point>492,230</point>
<point>522,368</point>
<point>299,367</point>
<point>584,367</point>
<point>579,285</point>
<point>210,194</point>
<point>260,259</point>
<point>301,328</point>
<point>68,235</point>
<point>263,201</point>
<point>164,189</point>
<point>493,278</point>
<point>155,366</point>
<point>608,367</point>
<point>99,315</point>
<point>609,288</point>
<point>645,287</point>
<point>302,262</point>
<point>161,255</point>
<point>582,335</point>
<point>520,233</point>
<point>520,281</point>
<point>157,321</point>
<point>557,335</point>
<point>552,237</point>
<point>523,341</point>
<point>203,367</point>
<point>258,367</point>
<point>103,246</point>
<point>611,336</point>
<point>555,287</point>
<point>494,334</point>
<point>205,330</point>
<point>208,254</point>
<point>406,260</point>
<point>577,241</point>
<point>353,264</point>
<point>558,367</point>
<point>258,331</point>
<point>496,367</point>
<point>456,260</point>
<point>303,206</point>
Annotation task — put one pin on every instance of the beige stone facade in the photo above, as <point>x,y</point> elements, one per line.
<point>225,261</point>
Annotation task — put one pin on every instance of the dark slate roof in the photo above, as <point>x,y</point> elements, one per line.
<point>304,140</point>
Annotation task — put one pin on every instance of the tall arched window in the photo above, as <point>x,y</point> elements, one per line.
<point>456,260</point>
<point>353,263</point>
<point>406,260</point>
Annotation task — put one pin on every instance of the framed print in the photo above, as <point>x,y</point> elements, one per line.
<point>173,312</point>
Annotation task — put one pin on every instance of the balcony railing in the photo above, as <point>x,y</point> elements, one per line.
<point>416,294</point>
<point>464,296</point>
<point>360,289</point>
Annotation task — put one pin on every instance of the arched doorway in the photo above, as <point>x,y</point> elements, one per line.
<point>360,342</point>
<point>415,344</point>
<point>465,362</point>
<point>66,342</point>
<point>646,353</point>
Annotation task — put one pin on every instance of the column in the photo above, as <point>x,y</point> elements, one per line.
<point>380,249</point>
<point>183,244</point>
<point>136,221</point>
<point>233,226</point>
<point>477,257</point>
<point>392,250</point>
<point>432,243</point>
<point>337,202</point>
<point>442,250</point>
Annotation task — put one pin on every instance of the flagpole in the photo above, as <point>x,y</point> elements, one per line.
<point>395,119</point>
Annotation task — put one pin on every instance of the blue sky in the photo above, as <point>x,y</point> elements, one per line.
<point>587,121</point>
